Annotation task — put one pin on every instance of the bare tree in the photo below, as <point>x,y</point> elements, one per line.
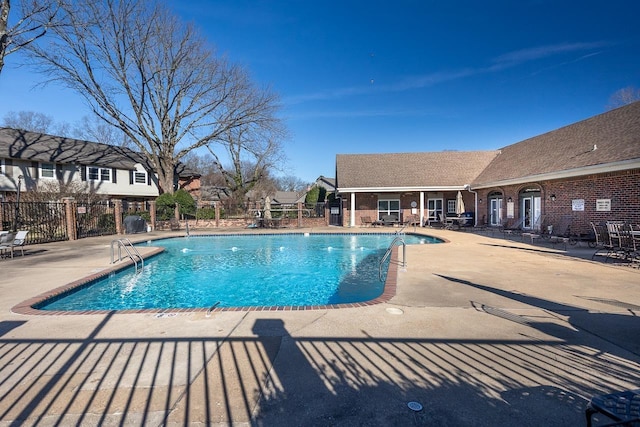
<point>28,120</point>
<point>143,71</point>
<point>34,122</point>
<point>55,190</point>
<point>34,17</point>
<point>623,97</point>
<point>92,128</point>
<point>253,152</point>
<point>291,183</point>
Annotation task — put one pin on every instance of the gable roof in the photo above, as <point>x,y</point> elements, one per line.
<point>429,171</point>
<point>603,143</point>
<point>288,197</point>
<point>39,147</point>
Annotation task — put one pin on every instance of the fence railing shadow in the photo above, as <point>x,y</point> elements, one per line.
<point>272,378</point>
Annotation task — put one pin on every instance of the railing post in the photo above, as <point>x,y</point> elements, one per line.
<point>70,209</point>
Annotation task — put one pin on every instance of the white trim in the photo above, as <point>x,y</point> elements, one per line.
<point>100,170</point>
<point>401,189</point>
<point>571,173</point>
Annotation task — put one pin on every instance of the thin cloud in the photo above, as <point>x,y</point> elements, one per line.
<point>499,63</point>
<point>338,114</point>
<point>518,57</point>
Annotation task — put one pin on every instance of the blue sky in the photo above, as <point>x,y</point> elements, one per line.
<point>405,76</point>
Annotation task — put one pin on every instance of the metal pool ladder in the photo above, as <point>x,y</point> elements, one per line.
<point>131,251</point>
<point>387,254</point>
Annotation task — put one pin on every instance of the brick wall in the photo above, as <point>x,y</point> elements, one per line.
<point>621,188</point>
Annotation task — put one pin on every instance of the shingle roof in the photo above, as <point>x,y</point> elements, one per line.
<point>607,138</point>
<point>287,197</point>
<point>410,170</point>
<point>20,144</point>
<point>33,146</point>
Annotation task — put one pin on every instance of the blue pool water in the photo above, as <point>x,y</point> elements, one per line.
<point>243,271</point>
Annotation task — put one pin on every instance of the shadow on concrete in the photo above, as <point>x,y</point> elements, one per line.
<point>9,325</point>
<point>622,330</point>
<point>274,379</point>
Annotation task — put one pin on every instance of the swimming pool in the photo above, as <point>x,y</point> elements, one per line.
<point>243,271</point>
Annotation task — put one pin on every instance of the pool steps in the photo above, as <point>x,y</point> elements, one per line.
<point>131,251</point>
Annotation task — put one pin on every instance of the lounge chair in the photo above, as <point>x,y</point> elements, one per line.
<point>20,240</point>
<point>389,220</point>
<point>6,243</point>
<point>515,227</point>
<point>366,221</point>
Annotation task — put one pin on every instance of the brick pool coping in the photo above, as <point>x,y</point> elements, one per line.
<point>27,307</point>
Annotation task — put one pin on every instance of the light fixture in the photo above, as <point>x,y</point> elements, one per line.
<point>553,197</point>
<point>510,200</point>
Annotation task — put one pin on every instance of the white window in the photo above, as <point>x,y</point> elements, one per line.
<point>388,207</point>
<point>451,206</point>
<point>47,170</point>
<point>95,173</point>
<point>140,177</point>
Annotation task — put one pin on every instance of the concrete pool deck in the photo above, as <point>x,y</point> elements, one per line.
<point>482,331</point>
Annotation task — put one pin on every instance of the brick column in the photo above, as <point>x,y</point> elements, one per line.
<point>117,211</point>
<point>299,214</point>
<point>217,208</point>
<point>70,209</point>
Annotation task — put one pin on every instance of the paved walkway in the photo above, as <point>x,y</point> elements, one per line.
<point>482,332</point>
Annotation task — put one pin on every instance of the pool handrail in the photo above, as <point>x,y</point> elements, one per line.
<point>386,255</point>
<point>126,244</point>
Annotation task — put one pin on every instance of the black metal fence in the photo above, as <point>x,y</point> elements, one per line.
<point>95,219</point>
<point>46,221</point>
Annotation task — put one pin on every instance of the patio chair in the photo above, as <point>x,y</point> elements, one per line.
<point>6,244</point>
<point>20,240</point>
<point>623,241</point>
<point>367,222</point>
<point>389,220</point>
<point>603,241</point>
<point>516,227</point>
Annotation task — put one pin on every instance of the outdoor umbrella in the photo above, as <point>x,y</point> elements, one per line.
<point>459,204</point>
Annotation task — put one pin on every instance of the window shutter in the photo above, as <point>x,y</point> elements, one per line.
<point>148,178</point>
<point>131,177</point>
<point>59,171</point>
<point>83,174</point>
<point>113,175</point>
<point>36,169</point>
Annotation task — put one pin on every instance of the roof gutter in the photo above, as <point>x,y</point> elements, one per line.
<point>570,173</point>
<point>400,189</point>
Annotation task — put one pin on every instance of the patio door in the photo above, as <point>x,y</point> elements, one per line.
<point>530,208</point>
<point>495,211</point>
<point>434,208</point>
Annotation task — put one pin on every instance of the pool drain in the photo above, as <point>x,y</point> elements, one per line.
<point>414,406</point>
<point>393,310</point>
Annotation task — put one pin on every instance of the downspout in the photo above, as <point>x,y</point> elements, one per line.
<point>475,207</point>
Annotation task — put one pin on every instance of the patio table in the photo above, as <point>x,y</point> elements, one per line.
<point>623,406</point>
